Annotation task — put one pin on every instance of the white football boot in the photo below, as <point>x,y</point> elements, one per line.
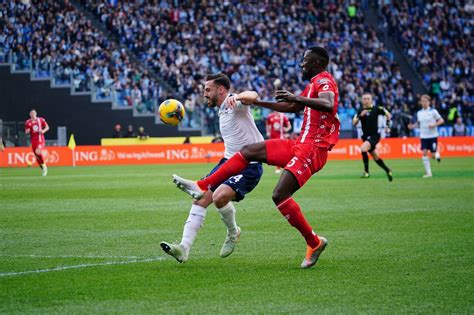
<point>229,244</point>
<point>176,251</point>
<point>188,186</point>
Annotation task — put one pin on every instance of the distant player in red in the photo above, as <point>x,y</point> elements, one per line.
<point>301,158</point>
<point>277,126</point>
<point>36,127</point>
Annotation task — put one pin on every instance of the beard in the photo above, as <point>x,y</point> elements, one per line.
<point>307,75</point>
<point>212,102</point>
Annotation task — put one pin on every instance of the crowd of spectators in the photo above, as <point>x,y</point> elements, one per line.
<point>55,40</point>
<point>255,43</point>
<point>437,38</point>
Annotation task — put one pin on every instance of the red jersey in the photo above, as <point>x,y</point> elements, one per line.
<point>276,122</point>
<point>35,127</point>
<point>320,128</point>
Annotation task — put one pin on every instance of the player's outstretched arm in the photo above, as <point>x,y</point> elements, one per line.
<point>282,107</point>
<point>324,102</point>
<point>252,98</point>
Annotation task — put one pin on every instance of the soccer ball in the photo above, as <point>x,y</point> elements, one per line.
<point>171,112</point>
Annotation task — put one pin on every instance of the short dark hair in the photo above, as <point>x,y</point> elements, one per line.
<point>322,54</point>
<point>219,79</point>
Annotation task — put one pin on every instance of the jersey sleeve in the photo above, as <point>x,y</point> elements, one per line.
<point>436,115</point>
<point>321,86</point>
<point>381,111</point>
<point>27,126</point>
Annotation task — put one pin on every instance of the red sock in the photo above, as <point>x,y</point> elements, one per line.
<point>39,159</point>
<point>292,212</point>
<point>236,164</point>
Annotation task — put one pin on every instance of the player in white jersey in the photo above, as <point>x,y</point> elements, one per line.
<point>428,119</point>
<point>237,128</point>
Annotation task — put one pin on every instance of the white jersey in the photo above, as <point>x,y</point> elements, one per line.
<point>237,128</point>
<point>426,117</point>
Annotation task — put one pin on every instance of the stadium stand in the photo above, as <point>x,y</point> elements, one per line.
<point>179,43</point>
<point>436,37</point>
<point>185,43</point>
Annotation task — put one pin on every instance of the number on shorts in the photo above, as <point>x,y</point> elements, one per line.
<point>292,162</point>
<point>236,178</point>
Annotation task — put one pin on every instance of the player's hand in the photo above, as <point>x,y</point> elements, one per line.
<point>432,125</point>
<point>246,98</point>
<point>285,96</point>
<point>232,101</point>
<point>363,113</point>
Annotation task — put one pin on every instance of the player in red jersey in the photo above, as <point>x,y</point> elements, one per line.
<point>277,126</point>
<point>301,158</point>
<point>36,127</point>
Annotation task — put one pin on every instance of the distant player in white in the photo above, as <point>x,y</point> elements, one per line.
<point>237,128</point>
<point>428,119</point>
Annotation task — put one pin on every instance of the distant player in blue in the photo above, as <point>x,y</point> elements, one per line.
<point>237,128</point>
<point>428,119</point>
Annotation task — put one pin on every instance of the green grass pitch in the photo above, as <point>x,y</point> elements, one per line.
<point>86,240</point>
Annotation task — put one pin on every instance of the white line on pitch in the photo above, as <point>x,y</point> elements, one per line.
<point>71,256</point>
<point>61,268</point>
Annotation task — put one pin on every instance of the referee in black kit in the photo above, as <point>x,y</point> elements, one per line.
<point>368,117</point>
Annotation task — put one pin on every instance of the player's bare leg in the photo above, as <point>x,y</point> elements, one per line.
<point>41,161</point>
<point>235,165</point>
<point>193,224</point>
<point>282,197</point>
<point>222,198</point>
<point>381,163</point>
<point>364,148</point>
<point>426,164</point>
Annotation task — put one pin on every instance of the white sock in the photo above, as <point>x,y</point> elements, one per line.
<point>228,217</point>
<point>437,155</point>
<point>193,225</point>
<point>426,164</point>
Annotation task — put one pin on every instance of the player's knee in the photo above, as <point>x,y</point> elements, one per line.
<point>278,195</point>
<point>221,198</point>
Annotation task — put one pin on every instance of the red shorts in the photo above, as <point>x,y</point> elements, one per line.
<point>301,159</point>
<point>37,145</point>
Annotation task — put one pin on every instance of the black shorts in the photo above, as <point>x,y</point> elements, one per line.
<point>372,139</point>
<point>244,182</point>
<point>429,144</point>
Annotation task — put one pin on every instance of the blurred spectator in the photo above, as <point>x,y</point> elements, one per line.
<point>117,131</point>
<point>130,132</point>
<point>453,114</point>
<point>459,129</point>
<point>142,135</point>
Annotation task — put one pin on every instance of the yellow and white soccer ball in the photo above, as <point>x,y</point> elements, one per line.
<point>171,112</point>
